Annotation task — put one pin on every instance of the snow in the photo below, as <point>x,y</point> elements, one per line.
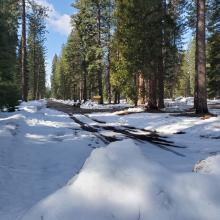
<point>94,105</point>
<point>119,182</point>
<point>210,166</point>
<point>181,104</point>
<point>66,102</point>
<point>200,137</point>
<point>32,106</point>
<point>50,169</point>
<point>40,150</point>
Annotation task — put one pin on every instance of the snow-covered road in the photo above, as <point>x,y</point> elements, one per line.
<point>47,170</point>
<point>40,150</point>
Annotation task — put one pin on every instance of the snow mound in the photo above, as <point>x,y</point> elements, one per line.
<point>119,182</point>
<point>210,165</point>
<point>179,104</point>
<point>93,105</point>
<point>33,106</point>
<point>66,102</point>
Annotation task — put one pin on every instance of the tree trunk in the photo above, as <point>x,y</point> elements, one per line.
<point>200,78</point>
<point>141,88</point>
<point>34,69</point>
<point>108,83</point>
<point>24,79</point>
<point>108,77</point>
<point>36,82</point>
<point>116,97</point>
<point>136,78</point>
<point>160,81</point>
<point>84,81</point>
<point>161,57</point>
<point>100,57</point>
<point>152,102</point>
<point>119,98</point>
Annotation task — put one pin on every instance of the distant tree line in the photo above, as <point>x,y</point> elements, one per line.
<point>22,51</point>
<point>134,49</point>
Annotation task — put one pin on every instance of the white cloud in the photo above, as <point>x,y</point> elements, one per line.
<point>59,22</point>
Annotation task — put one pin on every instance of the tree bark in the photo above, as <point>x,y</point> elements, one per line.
<point>108,77</point>
<point>200,78</point>
<point>141,88</point>
<point>36,82</point>
<point>100,57</point>
<point>160,81</point>
<point>108,83</point>
<point>152,101</point>
<point>161,57</point>
<point>84,81</point>
<point>116,97</point>
<point>34,69</point>
<point>24,79</point>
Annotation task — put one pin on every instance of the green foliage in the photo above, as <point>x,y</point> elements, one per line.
<point>121,81</point>
<point>213,69</point>
<point>185,77</point>
<point>54,79</point>
<point>9,95</point>
<point>36,51</point>
<point>8,39</point>
<point>126,38</point>
<point>214,65</point>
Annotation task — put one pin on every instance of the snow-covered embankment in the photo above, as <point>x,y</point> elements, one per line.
<point>118,182</point>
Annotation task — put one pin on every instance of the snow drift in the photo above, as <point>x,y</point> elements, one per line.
<point>119,182</point>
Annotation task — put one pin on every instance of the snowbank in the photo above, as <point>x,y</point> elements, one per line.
<point>33,106</point>
<point>119,182</point>
<point>93,105</point>
<point>181,104</point>
<point>210,165</point>
<point>40,150</point>
<point>66,102</point>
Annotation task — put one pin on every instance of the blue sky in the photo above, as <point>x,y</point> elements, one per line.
<point>58,26</point>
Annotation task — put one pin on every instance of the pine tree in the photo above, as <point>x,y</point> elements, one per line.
<point>213,70</point>
<point>24,75</point>
<point>36,50</point>
<point>93,23</point>
<point>187,78</point>
<point>200,63</point>
<point>150,34</point>
<point>54,81</point>
<point>8,39</point>
<point>9,93</point>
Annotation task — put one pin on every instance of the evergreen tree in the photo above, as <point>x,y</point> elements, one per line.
<point>8,39</point>
<point>150,35</point>
<point>187,78</point>
<point>54,80</point>
<point>93,23</point>
<point>36,50</point>
<point>200,62</point>
<point>213,70</point>
<point>9,93</point>
<point>24,75</point>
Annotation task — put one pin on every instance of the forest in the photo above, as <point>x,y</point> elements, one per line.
<point>135,49</point>
<point>109,109</point>
<point>143,51</point>
<point>23,53</point>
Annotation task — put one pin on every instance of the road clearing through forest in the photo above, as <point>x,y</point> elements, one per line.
<point>109,133</point>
